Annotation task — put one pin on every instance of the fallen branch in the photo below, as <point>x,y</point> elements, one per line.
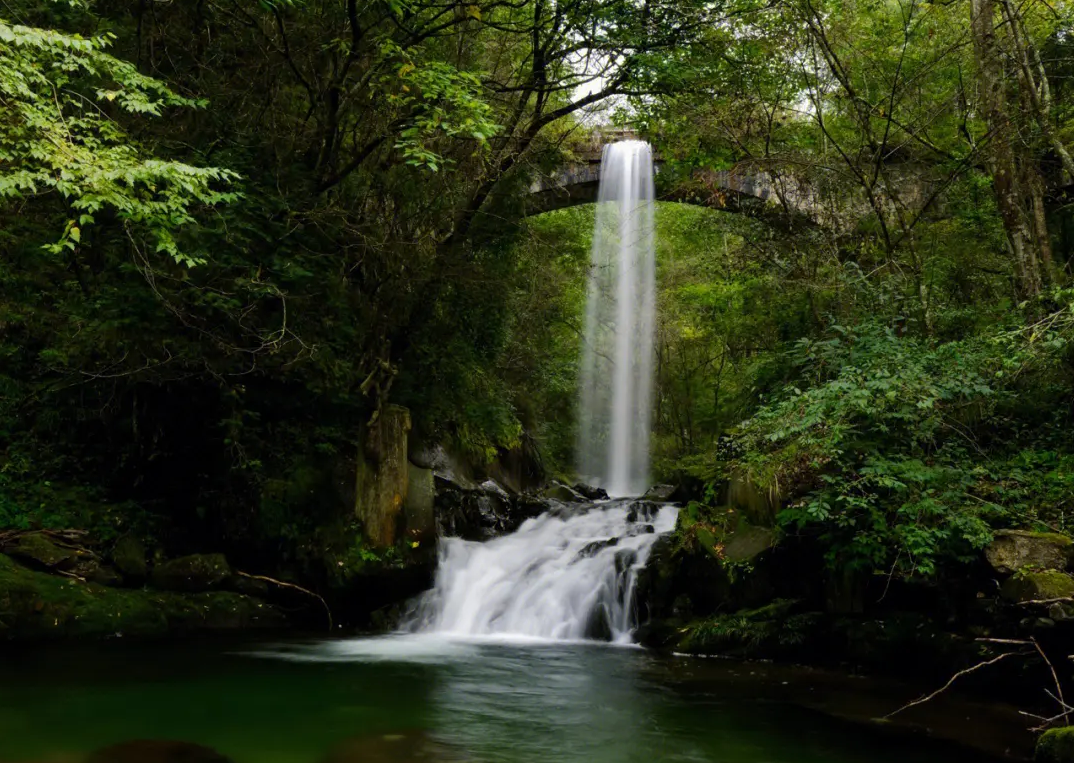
<point>306,591</point>
<point>947,685</point>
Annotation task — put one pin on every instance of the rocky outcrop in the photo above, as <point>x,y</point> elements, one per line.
<point>1014,550</point>
<point>39,606</point>
<point>482,512</point>
<point>194,573</point>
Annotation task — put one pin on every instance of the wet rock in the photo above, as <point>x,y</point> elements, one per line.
<point>1023,586</point>
<point>1013,550</point>
<point>129,558</point>
<point>494,488</point>
<point>39,551</point>
<point>157,751</point>
<point>644,529</point>
<point>594,548</point>
<point>481,513</point>
<point>642,511</point>
<point>591,493</point>
<point>557,491</point>
<point>659,493</point>
<point>625,559</point>
<point>197,572</point>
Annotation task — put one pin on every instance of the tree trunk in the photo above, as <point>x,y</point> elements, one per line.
<point>1001,157</point>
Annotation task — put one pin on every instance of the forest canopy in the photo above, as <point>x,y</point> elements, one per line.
<point>232,231</point>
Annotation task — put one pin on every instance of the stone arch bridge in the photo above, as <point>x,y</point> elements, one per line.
<point>779,200</point>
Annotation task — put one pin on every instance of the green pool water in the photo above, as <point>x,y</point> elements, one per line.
<point>401,699</point>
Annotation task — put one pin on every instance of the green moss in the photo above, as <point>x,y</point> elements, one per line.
<point>1037,586</point>
<point>36,605</point>
<point>750,632</point>
<point>1056,746</point>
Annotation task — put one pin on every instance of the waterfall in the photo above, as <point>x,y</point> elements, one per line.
<point>568,574</point>
<point>617,358</point>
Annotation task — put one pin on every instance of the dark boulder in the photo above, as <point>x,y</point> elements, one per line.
<point>481,513</point>
<point>594,548</point>
<point>95,572</point>
<point>591,493</point>
<point>157,751</point>
<point>642,511</point>
<point>128,556</point>
<point>660,493</point>
<point>197,572</point>
<point>40,552</point>
<point>557,491</point>
<point>406,746</point>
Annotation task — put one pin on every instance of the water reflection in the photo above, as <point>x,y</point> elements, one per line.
<point>418,698</point>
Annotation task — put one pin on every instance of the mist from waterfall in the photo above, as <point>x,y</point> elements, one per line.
<point>616,382</point>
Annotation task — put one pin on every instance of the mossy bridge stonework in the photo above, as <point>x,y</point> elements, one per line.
<point>778,199</point>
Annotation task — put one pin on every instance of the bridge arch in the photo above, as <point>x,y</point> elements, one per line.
<point>781,202</point>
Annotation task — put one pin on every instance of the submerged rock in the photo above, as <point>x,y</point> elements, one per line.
<point>157,751</point>
<point>409,746</point>
<point>197,572</point>
<point>1013,550</point>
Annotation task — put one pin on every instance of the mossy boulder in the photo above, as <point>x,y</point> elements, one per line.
<point>194,573</point>
<point>1013,550</point>
<point>39,551</point>
<point>1056,746</point>
<point>129,558</point>
<point>1027,586</point>
<point>38,606</point>
<point>746,543</point>
<point>557,491</point>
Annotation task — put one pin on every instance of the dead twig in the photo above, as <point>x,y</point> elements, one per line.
<point>946,686</point>
<point>281,583</point>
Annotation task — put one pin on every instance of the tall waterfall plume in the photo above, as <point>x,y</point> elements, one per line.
<point>616,384</point>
